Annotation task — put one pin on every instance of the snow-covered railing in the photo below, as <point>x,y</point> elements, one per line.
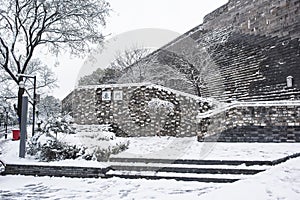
<point>229,106</point>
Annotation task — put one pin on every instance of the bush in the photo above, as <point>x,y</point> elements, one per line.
<point>54,143</point>
<point>100,154</point>
<point>56,125</point>
<point>48,148</point>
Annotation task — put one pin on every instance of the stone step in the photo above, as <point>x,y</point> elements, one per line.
<point>176,176</point>
<point>183,169</point>
<point>191,162</point>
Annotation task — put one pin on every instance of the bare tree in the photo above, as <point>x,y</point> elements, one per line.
<point>45,76</point>
<point>129,62</point>
<point>48,106</point>
<point>132,62</point>
<point>194,58</point>
<point>26,25</point>
<point>7,87</point>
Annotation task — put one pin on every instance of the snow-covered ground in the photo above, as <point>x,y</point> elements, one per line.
<point>9,149</point>
<point>280,182</point>
<point>189,148</point>
<point>169,148</point>
<point>21,187</point>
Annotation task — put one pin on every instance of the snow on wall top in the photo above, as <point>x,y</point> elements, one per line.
<point>148,85</point>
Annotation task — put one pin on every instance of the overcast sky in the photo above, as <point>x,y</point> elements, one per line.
<point>174,15</point>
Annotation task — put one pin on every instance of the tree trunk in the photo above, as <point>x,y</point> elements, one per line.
<point>19,108</point>
<point>198,91</point>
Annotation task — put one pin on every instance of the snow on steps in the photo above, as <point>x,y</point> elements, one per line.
<point>174,176</point>
<point>218,171</point>
<point>185,170</point>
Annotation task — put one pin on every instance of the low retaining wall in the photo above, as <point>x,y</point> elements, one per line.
<point>278,122</point>
<point>56,171</point>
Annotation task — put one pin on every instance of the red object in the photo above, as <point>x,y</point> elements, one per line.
<point>16,134</point>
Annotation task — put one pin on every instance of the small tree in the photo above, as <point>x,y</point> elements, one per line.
<point>100,76</point>
<point>49,106</point>
<point>26,25</point>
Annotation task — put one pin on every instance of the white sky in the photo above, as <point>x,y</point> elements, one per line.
<point>176,15</point>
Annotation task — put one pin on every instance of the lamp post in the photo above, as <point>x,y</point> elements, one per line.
<point>6,122</point>
<point>34,97</point>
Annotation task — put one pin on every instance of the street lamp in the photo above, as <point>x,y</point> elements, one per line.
<point>4,119</point>
<point>6,123</point>
<point>22,85</point>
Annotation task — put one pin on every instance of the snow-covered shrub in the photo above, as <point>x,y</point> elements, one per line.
<point>45,147</point>
<point>55,125</point>
<point>86,145</point>
<point>55,150</point>
<point>49,145</point>
<point>100,145</point>
<point>103,154</point>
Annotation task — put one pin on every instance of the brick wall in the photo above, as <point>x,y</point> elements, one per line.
<point>143,110</point>
<point>276,123</point>
<point>56,171</point>
<point>264,17</point>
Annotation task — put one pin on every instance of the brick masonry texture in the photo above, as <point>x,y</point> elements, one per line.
<point>56,171</point>
<point>262,50</point>
<point>132,116</point>
<point>253,124</point>
<point>265,17</point>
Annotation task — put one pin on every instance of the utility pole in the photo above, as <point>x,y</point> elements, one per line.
<point>23,127</point>
<point>34,104</point>
<point>34,98</point>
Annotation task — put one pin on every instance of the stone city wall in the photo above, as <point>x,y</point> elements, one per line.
<point>264,17</point>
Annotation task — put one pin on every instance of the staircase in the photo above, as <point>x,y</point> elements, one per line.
<point>217,171</point>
